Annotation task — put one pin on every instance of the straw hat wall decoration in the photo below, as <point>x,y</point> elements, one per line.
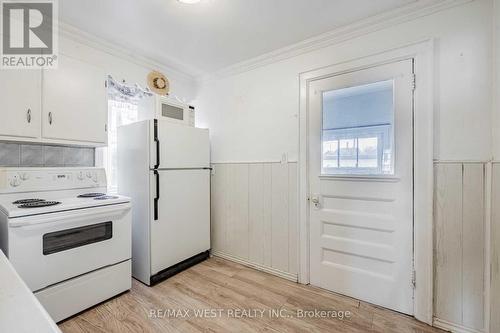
<point>158,83</point>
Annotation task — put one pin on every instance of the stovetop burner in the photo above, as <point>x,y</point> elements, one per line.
<point>38,204</point>
<point>25,201</point>
<point>106,197</point>
<point>91,195</point>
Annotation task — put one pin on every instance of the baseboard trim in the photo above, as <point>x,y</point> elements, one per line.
<point>266,269</point>
<point>451,327</point>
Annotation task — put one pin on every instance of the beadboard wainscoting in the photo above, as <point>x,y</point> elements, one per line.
<point>495,249</point>
<point>254,215</point>
<point>460,267</point>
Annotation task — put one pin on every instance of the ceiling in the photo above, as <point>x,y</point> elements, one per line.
<point>214,34</point>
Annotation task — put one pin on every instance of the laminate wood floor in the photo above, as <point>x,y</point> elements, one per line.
<point>238,299</point>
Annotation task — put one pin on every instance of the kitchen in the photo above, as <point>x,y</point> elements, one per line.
<point>217,165</point>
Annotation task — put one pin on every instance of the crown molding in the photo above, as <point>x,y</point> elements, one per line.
<point>75,34</point>
<point>371,24</point>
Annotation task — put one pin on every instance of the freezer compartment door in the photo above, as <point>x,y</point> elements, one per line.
<point>182,227</point>
<point>178,146</point>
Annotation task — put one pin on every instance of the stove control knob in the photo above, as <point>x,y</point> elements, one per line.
<point>94,178</point>
<point>24,176</point>
<point>15,182</point>
<point>89,174</point>
<point>80,175</point>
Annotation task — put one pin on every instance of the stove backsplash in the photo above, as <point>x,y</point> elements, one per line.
<point>40,155</point>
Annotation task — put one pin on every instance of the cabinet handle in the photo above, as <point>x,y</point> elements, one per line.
<point>50,118</point>
<point>28,116</point>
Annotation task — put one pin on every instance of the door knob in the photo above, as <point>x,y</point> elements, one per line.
<point>315,199</point>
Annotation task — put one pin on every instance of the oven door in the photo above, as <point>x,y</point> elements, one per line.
<point>50,248</point>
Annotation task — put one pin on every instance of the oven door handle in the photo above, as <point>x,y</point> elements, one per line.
<point>157,197</point>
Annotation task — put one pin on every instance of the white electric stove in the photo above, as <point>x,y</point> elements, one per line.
<point>68,240</point>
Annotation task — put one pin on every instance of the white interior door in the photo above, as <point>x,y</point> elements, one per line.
<point>182,229</point>
<point>361,184</point>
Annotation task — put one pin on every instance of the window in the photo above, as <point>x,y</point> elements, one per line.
<point>356,150</point>
<point>119,113</point>
<point>357,131</point>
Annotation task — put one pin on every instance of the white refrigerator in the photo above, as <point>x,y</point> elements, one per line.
<point>165,169</point>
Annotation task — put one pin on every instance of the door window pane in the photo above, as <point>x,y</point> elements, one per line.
<point>357,133</point>
<point>368,152</point>
<point>330,154</point>
<point>348,153</point>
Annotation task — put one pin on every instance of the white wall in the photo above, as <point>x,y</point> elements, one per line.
<point>253,115</point>
<point>122,68</point>
<point>496,112</point>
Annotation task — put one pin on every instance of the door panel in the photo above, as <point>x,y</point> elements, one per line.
<point>183,226</point>
<point>21,100</point>
<point>74,102</point>
<point>361,183</point>
<point>181,146</point>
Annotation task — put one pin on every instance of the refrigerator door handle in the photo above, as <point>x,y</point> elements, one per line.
<point>157,197</point>
<point>157,142</point>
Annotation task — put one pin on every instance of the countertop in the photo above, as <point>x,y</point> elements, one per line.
<point>20,311</point>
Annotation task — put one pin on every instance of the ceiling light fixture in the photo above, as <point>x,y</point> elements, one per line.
<point>189,1</point>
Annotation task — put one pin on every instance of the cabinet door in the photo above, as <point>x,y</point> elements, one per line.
<point>20,103</point>
<point>74,103</point>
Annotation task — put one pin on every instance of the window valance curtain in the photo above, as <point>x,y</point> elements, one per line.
<point>120,91</point>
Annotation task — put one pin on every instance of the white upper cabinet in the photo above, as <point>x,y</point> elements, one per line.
<point>20,98</point>
<point>74,103</point>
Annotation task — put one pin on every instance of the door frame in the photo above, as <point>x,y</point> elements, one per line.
<point>423,176</point>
